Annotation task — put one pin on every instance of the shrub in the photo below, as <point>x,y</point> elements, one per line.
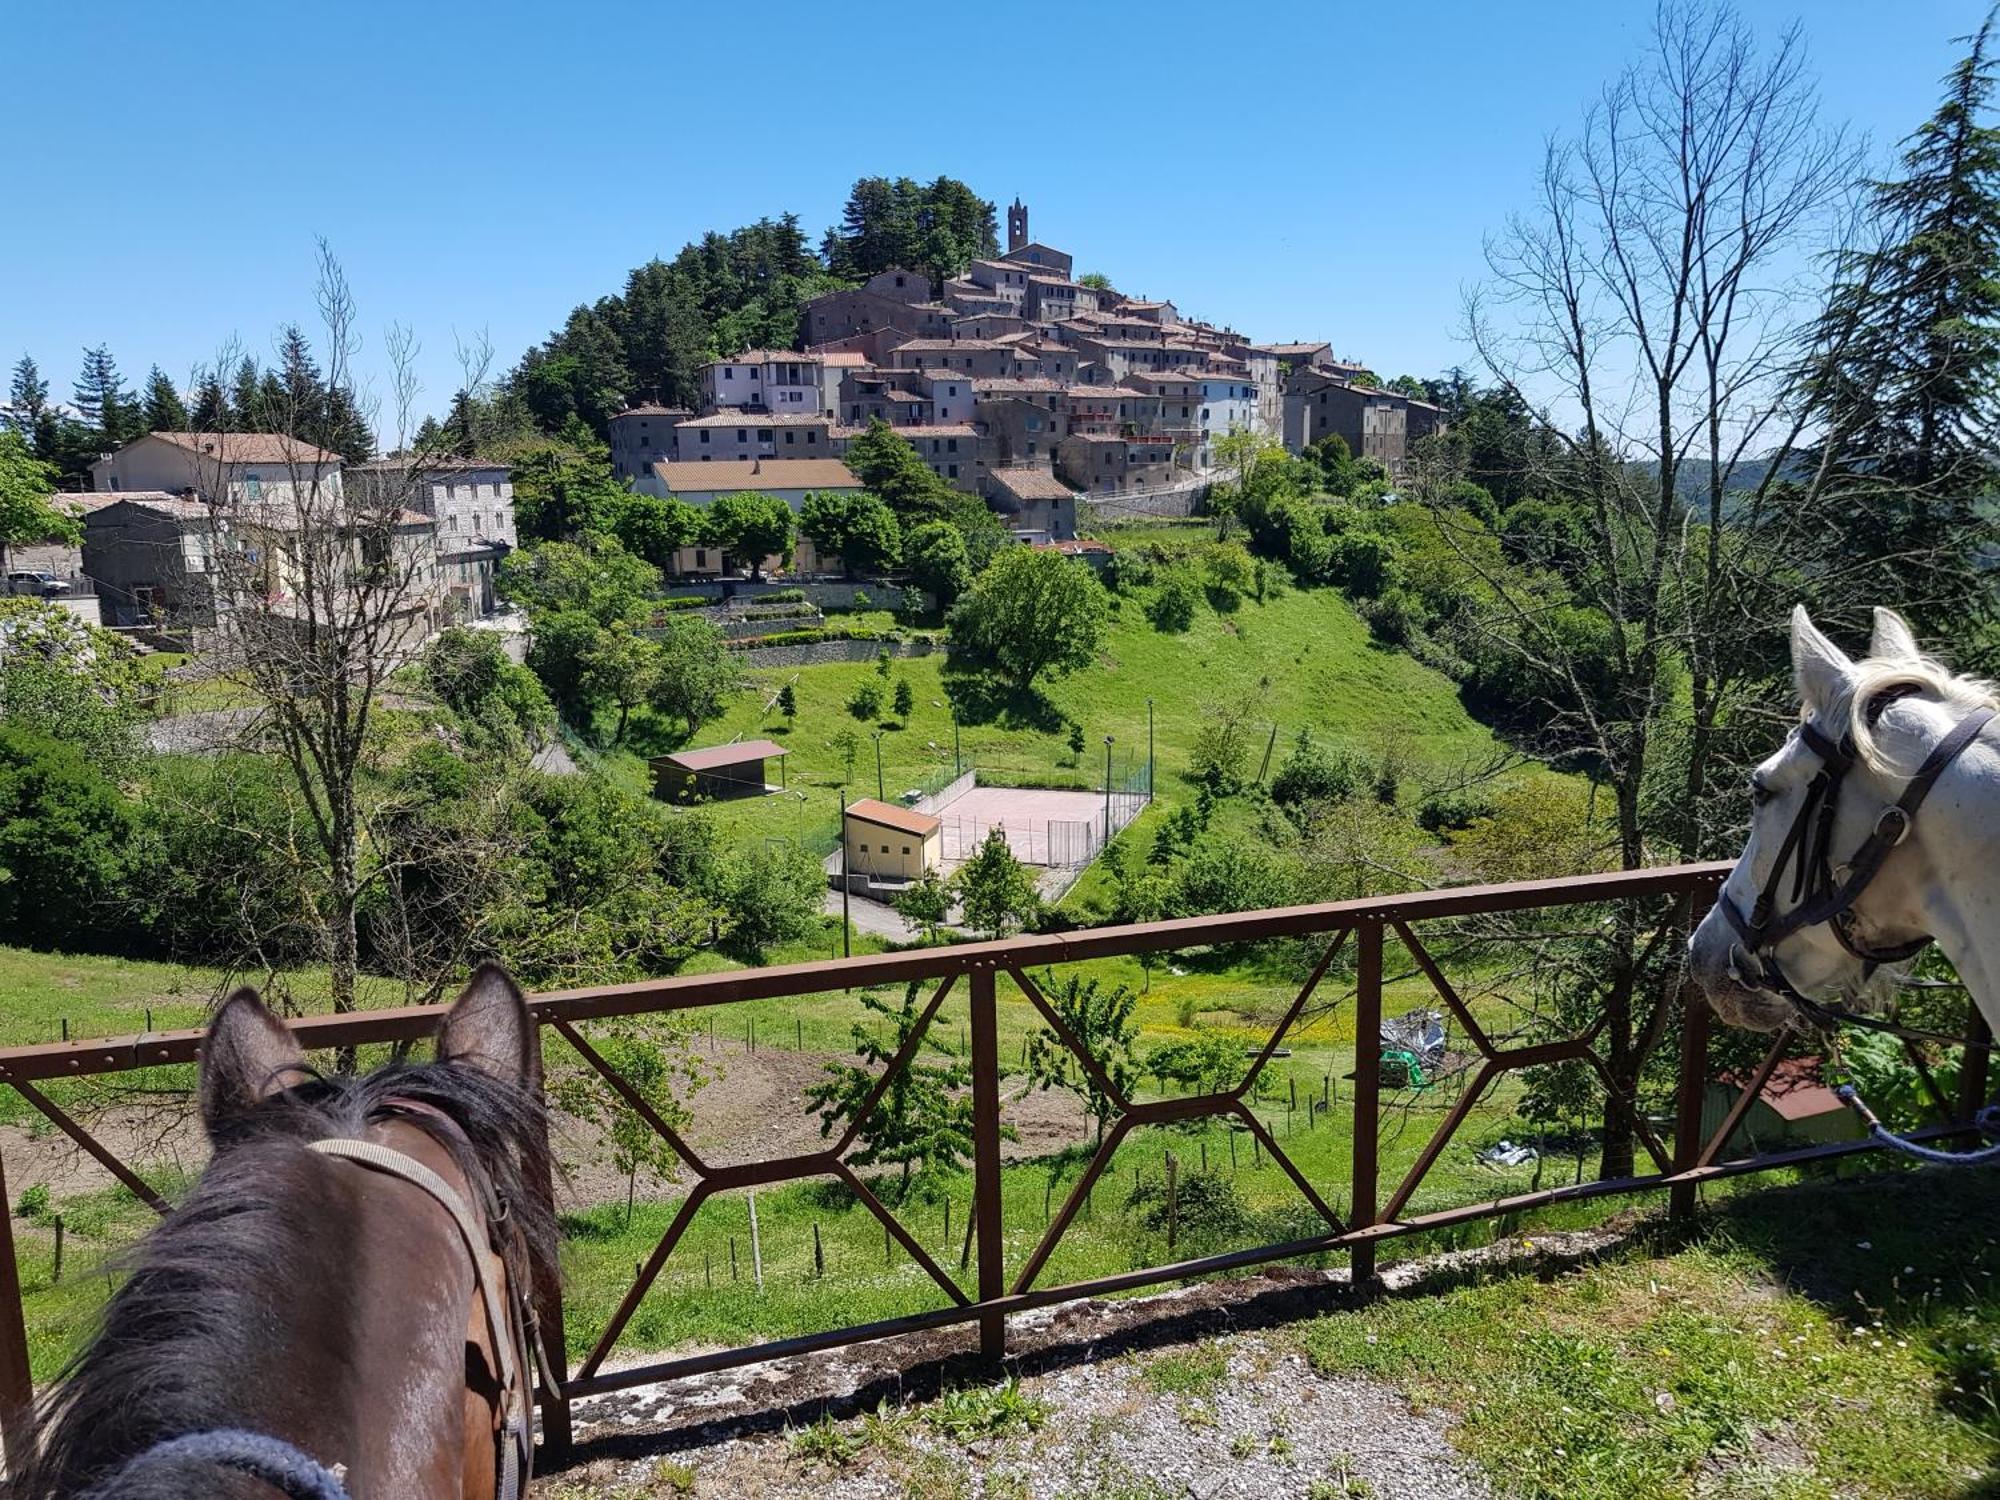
<point>866,701</point>
<point>1313,773</point>
<point>1455,809</point>
<point>689,601</point>
<point>65,832</point>
<point>1175,601</point>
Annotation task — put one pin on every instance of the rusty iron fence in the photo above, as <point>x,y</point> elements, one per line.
<point>1679,1163</point>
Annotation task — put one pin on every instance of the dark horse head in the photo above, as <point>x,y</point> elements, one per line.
<point>301,1296</point>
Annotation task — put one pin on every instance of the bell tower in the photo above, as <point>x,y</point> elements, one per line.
<point>1017,225</point>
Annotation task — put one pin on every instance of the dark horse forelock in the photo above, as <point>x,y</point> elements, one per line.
<point>251,1252</point>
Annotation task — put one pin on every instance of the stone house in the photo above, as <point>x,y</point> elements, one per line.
<point>892,299</point>
<point>736,435</point>
<point>1377,424</point>
<point>471,501</point>
<point>239,467</point>
<point>1108,464</point>
<point>1015,431</point>
<point>1033,502</point>
<point>642,436</point>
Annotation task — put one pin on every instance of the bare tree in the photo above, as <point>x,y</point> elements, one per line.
<point>321,585</point>
<point>1652,313</point>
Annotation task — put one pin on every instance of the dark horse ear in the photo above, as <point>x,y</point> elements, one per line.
<point>488,1027</point>
<point>247,1056</point>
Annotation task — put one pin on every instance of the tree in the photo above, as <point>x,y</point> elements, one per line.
<point>788,703</point>
<point>655,529</point>
<point>751,528</point>
<point>1099,1019</point>
<point>1174,602</point>
<point>68,680</point>
<point>865,702</point>
<point>1912,358</point>
<point>64,836</point>
<point>658,1064</point>
<point>906,700</point>
<point>854,527</point>
<point>923,1121</point>
<point>28,405</point>
<point>926,902</point>
<point>499,701</point>
<point>1097,281</point>
<point>847,745</point>
<point>773,891</point>
<point>563,488</point>
<point>936,557</point>
<point>993,889</point>
<point>936,228</point>
<point>622,669</point>
<point>164,410</point>
<point>884,460</point>
<point>1029,613</point>
<point>26,511</point>
<point>1647,312</point>
<point>558,651</point>
<point>596,577</point>
<point>697,672</point>
<point>101,400</point>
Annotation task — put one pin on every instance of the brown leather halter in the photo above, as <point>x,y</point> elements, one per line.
<point>1819,897</point>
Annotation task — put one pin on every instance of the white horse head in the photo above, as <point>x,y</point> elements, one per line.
<point>1942,880</point>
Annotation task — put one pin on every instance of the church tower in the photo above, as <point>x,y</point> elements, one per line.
<point>1017,225</point>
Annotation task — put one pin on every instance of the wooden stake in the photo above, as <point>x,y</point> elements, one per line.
<point>708,1269</point>
<point>965,1252</point>
<point>56,1276</point>
<point>1173,1205</point>
<point>732,1257</point>
<point>756,1250</point>
<point>819,1254</point>
<point>798,1035</point>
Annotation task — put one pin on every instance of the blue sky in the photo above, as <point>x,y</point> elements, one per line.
<point>1309,170</point>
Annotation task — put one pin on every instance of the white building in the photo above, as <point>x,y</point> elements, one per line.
<point>1228,404</point>
<point>472,502</point>
<point>240,467</point>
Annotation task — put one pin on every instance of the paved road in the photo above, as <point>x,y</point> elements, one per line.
<point>871,916</point>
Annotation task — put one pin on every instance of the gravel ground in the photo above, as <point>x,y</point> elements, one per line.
<point>1270,1428</point>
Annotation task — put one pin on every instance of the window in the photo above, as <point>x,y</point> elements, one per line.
<point>728,373</point>
<point>952,471</point>
<point>811,438</point>
<point>743,433</point>
<point>951,445</point>
<point>906,849</point>
<point>790,437</point>
<point>704,434</point>
<point>701,557</point>
<point>763,434</point>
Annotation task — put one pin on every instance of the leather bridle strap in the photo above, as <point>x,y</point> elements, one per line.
<point>517,1440</point>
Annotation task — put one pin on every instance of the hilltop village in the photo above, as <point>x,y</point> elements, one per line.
<point>1016,382</point>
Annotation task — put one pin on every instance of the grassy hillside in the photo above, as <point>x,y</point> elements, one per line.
<point>1303,659</point>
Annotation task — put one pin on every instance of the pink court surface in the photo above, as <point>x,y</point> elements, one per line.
<point>1042,827</point>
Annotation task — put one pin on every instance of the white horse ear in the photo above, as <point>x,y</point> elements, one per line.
<point>1820,668</point>
<point>1893,639</point>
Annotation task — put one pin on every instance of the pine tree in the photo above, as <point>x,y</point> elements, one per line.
<point>27,397</point>
<point>102,402</point>
<point>344,429</point>
<point>1906,392</point>
<point>165,411</point>
<point>246,401</point>
<point>211,406</point>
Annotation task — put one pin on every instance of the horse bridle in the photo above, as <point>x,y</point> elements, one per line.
<point>515,1331</point>
<point>1819,896</point>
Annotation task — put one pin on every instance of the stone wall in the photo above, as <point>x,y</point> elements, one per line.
<point>819,653</point>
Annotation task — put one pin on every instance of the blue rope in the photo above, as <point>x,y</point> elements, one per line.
<point>1986,1122</point>
<point>273,1460</point>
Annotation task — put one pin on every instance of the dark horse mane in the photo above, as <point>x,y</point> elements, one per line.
<point>204,1286</point>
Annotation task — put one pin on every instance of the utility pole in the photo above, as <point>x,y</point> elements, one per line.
<point>1149,749</point>
<point>846,926</point>
<point>1107,791</point>
<point>957,765</point>
<point>880,795</point>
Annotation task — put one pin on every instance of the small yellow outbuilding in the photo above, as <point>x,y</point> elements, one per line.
<point>890,842</point>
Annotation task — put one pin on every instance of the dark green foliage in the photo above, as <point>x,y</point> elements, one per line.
<point>936,555</point>
<point>495,699</point>
<point>1313,773</point>
<point>655,529</point>
<point>855,527</point>
<point>1174,602</point>
<point>564,489</point>
<point>1452,810</point>
<point>1031,613</point>
<point>905,700</point>
<point>935,228</point>
<point>1206,1063</point>
<point>164,410</point>
<point>993,888</point>
<point>751,528</point>
<point>884,460</point>
<point>65,833</point>
<point>772,891</point>
<point>788,702</point>
<point>865,702</point>
<point>597,578</point>
<point>1204,1208</point>
<point>696,672</point>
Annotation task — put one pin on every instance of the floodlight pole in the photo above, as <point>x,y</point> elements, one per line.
<point>1149,749</point>
<point>846,926</point>
<point>957,765</point>
<point>880,795</point>
<point>1107,791</point>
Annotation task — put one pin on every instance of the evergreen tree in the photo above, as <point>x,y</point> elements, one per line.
<point>1906,392</point>
<point>164,411</point>
<point>302,408</point>
<point>211,406</point>
<point>27,397</point>
<point>884,460</point>
<point>246,400</point>
<point>344,429</point>
<point>102,402</point>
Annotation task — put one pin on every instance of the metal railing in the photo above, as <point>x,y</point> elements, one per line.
<point>1371,1218</point>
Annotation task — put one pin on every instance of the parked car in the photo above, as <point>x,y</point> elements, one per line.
<point>37,582</point>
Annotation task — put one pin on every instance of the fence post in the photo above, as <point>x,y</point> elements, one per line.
<point>17,1385</point>
<point>1692,1092</point>
<point>1367,1093</point>
<point>548,1319</point>
<point>1972,1075</point>
<point>1692,1089</point>
<point>986,1159</point>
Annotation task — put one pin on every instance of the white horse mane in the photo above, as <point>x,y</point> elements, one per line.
<point>1923,676</point>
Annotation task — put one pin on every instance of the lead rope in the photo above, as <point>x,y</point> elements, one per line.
<point>1986,1122</point>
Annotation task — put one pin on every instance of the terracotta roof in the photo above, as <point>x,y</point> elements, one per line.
<point>736,416</point>
<point>769,357</point>
<point>725,755</point>
<point>652,409</point>
<point>1290,351</point>
<point>271,514</point>
<point>248,447</point>
<point>1103,392</point>
<point>888,815</point>
<point>757,474</point>
<point>937,429</point>
<point>1024,483</point>
<point>423,465</point>
<point>844,359</point>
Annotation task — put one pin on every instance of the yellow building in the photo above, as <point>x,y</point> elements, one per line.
<point>890,842</point>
